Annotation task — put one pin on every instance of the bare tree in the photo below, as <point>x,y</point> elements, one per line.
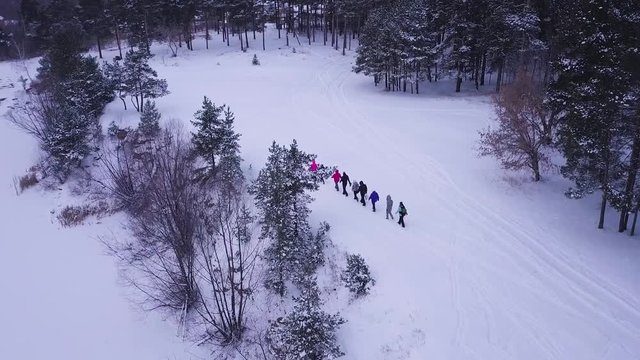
<point>121,177</point>
<point>525,127</point>
<point>163,253</point>
<point>226,263</point>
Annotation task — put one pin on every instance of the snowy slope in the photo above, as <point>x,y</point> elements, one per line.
<point>490,266</point>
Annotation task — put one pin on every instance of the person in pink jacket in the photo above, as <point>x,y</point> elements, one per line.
<point>336,178</point>
<point>314,167</point>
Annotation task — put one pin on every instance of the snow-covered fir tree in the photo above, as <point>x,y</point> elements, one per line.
<point>280,191</point>
<point>307,333</point>
<point>589,96</point>
<point>141,80</point>
<point>215,139</point>
<point>229,171</point>
<point>67,139</point>
<point>356,276</point>
<point>149,124</point>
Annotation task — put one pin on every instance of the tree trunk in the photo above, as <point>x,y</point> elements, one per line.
<point>264,47</point>
<point>634,164</point>
<point>278,25</point>
<point>459,77</point>
<point>309,23</point>
<point>206,29</point>
<point>635,218</point>
<point>476,74</point>
<point>99,47</point>
<point>118,41</point>
<point>246,38</point>
<point>499,76</point>
<point>324,25</point>
<point>484,68</point>
<point>417,78</point>
<point>333,29</point>
<point>435,72</point>
<point>603,208</point>
<point>535,166</point>
<point>344,41</point>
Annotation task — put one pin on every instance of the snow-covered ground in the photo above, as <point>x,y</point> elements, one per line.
<point>490,265</point>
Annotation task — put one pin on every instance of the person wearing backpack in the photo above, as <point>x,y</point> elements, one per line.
<point>403,212</point>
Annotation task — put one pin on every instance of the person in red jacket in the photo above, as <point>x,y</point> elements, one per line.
<point>336,178</point>
<point>314,166</point>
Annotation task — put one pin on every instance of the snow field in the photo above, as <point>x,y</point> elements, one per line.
<point>490,266</point>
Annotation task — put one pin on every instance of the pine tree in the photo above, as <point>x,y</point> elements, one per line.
<point>280,192</point>
<point>114,72</point>
<point>356,276</point>
<point>71,78</point>
<point>67,139</point>
<point>587,94</point>
<point>150,120</point>
<point>206,139</point>
<point>141,80</point>
<point>229,170</point>
<point>307,333</point>
<point>271,197</point>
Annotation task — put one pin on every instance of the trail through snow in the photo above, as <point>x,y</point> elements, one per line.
<point>490,266</point>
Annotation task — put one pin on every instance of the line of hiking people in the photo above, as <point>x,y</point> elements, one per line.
<point>360,188</point>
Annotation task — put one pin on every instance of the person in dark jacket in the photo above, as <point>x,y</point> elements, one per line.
<point>374,199</point>
<point>389,207</point>
<point>345,179</point>
<point>363,193</point>
<point>403,212</point>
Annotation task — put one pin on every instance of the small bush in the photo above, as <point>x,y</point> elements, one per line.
<point>255,60</point>
<point>75,215</point>
<point>27,181</point>
<point>357,277</point>
<point>112,130</point>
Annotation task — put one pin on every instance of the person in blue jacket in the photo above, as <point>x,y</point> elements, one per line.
<point>374,199</point>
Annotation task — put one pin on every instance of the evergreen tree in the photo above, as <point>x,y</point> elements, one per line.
<point>588,95</point>
<point>67,140</point>
<point>271,197</point>
<point>280,192</point>
<point>307,333</point>
<point>114,72</point>
<point>150,120</point>
<point>140,80</point>
<point>207,139</point>
<point>356,276</point>
<point>229,171</point>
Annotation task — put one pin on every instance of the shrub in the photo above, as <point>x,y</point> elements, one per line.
<point>75,215</point>
<point>27,181</point>
<point>357,277</point>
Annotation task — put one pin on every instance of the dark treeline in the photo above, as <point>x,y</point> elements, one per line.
<point>139,22</point>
